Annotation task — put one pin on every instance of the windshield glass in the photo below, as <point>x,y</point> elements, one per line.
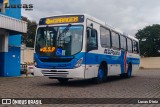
<point>59,40</point>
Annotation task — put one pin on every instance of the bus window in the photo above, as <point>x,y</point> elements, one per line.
<point>129,45</point>
<point>92,41</point>
<point>123,42</point>
<point>115,40</point>
<point>135,47</point>
<point>105,37</point>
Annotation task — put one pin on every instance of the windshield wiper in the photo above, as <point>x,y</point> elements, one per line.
<point>64,31</point>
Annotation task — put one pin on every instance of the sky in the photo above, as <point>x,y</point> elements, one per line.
<point>127,15</point>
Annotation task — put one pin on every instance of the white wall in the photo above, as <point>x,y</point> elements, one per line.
<point>27,55</point>
<point>150,62</point>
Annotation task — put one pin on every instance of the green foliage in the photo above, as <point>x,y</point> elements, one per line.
<point>29,37</point>
<point>149,38</point>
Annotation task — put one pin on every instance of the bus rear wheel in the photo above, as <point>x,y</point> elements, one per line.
<point>102,75</point>
<point>63,80</point>
<point>129,71</point>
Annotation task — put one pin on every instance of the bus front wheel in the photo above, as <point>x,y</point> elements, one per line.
<point>102,74</point>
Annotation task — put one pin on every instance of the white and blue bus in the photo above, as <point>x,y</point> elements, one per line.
<point>81,46</point>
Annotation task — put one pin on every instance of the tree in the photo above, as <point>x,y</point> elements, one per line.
<point>29,37</point>
<point>149,38</point>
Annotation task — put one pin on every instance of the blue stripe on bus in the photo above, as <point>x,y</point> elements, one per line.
<point>92,58</point>
<point>110,59</point>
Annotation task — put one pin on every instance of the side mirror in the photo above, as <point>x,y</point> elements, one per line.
<point>93,33</point>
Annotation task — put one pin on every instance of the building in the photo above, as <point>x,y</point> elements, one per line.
<point>11,28</point>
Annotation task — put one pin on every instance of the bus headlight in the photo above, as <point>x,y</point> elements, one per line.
<point>78,63</point>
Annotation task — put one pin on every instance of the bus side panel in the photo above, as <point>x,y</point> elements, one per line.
<point>134,59</point>
<point>95,57</point>
<point>114,69</point>
<point>92,60</point>
<point>115,64</point>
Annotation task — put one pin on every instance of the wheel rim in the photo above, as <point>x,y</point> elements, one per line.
<point>100,74</point>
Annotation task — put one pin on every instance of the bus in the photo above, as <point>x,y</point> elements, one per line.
<point>79,46</point>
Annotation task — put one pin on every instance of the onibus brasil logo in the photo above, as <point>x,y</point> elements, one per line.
<point>21,101</point>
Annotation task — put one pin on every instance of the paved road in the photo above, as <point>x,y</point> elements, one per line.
<point>143,84</point>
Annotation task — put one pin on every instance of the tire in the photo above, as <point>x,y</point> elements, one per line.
<point>102,75</point>
<point>63,80</point>
<point>122,75</point>
<point>129,71</point>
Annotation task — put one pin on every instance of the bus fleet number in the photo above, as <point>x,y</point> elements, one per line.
<point>112,52</point>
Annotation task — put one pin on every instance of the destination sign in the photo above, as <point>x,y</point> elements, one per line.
<point>47,49</point>
<point>62,20</point>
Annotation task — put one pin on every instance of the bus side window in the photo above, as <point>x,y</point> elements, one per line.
<point>129,45</point>
<point>92,41</point>
<point>135,47</point>
<point>123,42</point>
<point>105,37</point>
<point>115,40</point>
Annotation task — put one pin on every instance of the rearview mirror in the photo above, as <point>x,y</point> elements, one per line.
<point>92,43</point>
<point>93,33</point>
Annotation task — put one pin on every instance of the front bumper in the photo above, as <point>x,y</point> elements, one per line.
<point>61,73</point>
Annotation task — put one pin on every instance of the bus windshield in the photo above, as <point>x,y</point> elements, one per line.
<point>59,40</point>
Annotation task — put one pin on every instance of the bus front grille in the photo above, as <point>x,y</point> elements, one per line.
<point>56,59</point>
<point>54,73</point>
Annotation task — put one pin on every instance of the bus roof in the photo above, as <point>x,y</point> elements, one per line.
<point>100,22</point>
